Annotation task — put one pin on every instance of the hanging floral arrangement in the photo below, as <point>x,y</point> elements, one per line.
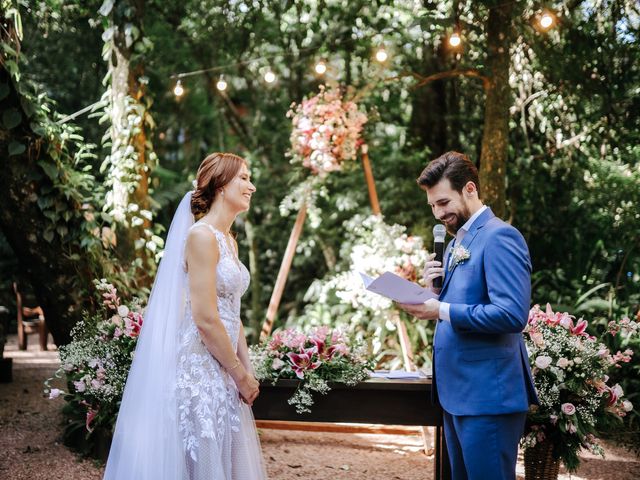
<point>326,131</point>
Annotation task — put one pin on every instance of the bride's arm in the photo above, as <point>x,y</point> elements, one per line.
<point>202,256</point>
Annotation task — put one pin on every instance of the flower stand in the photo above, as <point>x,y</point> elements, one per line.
<point>539,463</point>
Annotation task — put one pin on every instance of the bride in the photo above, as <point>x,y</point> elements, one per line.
<point>185,412</point>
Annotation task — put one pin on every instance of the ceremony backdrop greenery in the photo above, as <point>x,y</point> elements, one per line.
<point>571,179</point>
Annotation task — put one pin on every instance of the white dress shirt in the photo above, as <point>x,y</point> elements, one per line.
<point>444,306</point>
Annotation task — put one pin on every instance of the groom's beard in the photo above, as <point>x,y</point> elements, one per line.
<point>460,218</point>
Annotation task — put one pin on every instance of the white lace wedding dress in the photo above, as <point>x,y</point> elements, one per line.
<point>218,429</point>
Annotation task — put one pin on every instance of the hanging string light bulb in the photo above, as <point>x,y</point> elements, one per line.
<point>321,67</point>
<point>269,77</point>
<point>178,90</point>
<point>455,40</point>
<point>382,55</point>
<point>221,84</point>
<point>546,20</point>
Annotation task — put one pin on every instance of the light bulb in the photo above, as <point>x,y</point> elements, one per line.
<point>454,39</point>
<point>546,20</point>
<point>382,55</point>
<point>178,90</point>
<point>222,84</point>
<point>320,68</point>
<point>269,77</point>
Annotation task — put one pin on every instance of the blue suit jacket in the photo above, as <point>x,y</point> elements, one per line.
<point>480,360</point>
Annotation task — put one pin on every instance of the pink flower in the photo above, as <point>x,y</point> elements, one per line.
<point>302,362</point>
<point>277,364</point>
<point>133,324</point>
<point>55,393</point>
<point>580,328</point>
<point>80,386</point>
<point>553,419</point>
<point>571,428</point>
<point>91,415</point>
<point>568,408</point>
<point>543,361</point>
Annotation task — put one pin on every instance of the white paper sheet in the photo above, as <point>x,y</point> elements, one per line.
<point>397,288</point>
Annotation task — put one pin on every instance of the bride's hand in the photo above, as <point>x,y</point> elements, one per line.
<point>248,387</point>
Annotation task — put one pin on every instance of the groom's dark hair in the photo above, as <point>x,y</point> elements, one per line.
<point>454,166</point>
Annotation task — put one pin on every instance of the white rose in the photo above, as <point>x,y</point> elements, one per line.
<point>543,361</point>
<point>578,360</point>
<point>123,311</point>
<point>627,405</point>
<point>562,362</point>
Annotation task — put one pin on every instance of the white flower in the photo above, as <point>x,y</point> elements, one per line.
<point>562,362</point>
<point>277,364</point>
<point>123,310</point>
<point>578,360</point>
<point>543,361</point>
<point>459,255</point>
<point>627,405</point>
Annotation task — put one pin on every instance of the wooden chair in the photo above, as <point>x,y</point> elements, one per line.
<point>30,320</point>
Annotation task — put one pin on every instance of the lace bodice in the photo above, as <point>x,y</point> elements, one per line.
<point>218,432</point>
<point>232,280</point>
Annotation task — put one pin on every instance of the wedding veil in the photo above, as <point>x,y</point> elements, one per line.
<point>147,444</point>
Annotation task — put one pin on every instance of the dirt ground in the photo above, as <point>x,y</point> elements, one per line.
<point>30,446</point>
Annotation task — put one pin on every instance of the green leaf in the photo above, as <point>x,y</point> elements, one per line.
<point>11,118</point>
<point>49,169</point>
<point>48,235</point>
<point>16,148</point>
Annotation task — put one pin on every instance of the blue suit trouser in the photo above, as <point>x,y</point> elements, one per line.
<point>483,447</point>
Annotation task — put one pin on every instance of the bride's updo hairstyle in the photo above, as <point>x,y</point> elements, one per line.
<point>214,172</point>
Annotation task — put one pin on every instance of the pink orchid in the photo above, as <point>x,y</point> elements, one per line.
<point>579,329</point>
<point>91,415</point>
<point>302,362</point>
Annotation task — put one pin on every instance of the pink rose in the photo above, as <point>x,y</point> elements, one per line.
<point>568,408</point>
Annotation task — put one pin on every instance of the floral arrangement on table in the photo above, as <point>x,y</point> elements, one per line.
<point>316,359</point>
<point>371,246</point>
<point>571,374</point>
<point>95,364</point>
<point>326,131</point>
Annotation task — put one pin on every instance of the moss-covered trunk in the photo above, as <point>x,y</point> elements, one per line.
<point>495,136</point>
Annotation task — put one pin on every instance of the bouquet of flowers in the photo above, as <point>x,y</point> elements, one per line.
<point>316,359</point>
<point>570,371</point>
<point>326,131</point>
<point>97,361</point>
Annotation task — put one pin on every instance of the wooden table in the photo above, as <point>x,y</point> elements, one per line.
<point>381,401</point>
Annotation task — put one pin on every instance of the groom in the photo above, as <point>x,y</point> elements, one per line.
<point>480,367</point>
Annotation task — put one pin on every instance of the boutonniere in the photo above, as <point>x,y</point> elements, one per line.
<point>459,255</point>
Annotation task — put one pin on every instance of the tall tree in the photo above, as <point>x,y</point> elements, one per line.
<point>495,135</point>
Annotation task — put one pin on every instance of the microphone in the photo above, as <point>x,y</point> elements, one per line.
<point>439,232</point>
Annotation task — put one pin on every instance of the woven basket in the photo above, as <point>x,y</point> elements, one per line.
<point>539,463</point>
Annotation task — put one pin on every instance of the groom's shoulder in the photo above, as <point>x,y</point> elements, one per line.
<point>498,226</point>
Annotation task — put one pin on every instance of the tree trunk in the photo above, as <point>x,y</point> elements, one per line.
<point>493,158</point>
<point>60,271</point>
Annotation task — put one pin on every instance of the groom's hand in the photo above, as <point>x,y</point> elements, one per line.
<point>432,270</point>
<point>429,310</point>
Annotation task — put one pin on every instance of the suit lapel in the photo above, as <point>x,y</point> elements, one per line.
<point>466,243</point>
